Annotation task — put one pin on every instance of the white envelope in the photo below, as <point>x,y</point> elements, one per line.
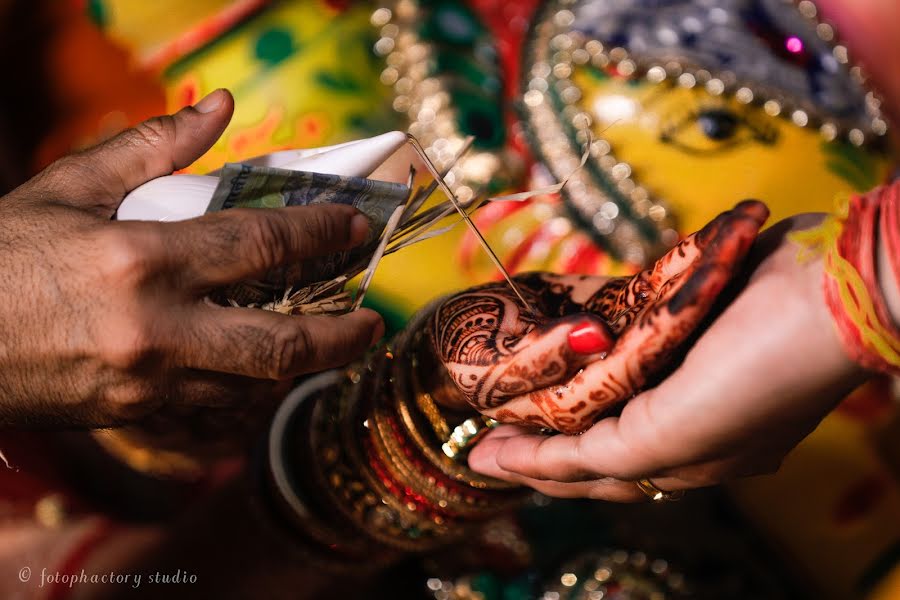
<point>180,197</point>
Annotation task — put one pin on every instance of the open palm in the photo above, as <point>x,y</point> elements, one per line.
<point>754,384</point>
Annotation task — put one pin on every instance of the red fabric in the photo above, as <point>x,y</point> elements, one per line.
<point>75,560</point>
<point>31,474</point>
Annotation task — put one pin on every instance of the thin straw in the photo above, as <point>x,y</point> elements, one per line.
<point>452,197</point>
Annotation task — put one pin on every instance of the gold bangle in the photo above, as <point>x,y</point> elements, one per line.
<point>155,462</point>
<point>466,434</point>
<point>407,386</point>
<point>431,411</point>
<point>656,494</point>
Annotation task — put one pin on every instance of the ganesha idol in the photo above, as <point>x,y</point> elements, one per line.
<point>681,109</point>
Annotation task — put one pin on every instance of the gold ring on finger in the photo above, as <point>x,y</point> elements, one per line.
<point>656,494</point>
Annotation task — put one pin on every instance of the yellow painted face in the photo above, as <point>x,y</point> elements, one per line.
<point>700,153</point>
<point>703,153</point>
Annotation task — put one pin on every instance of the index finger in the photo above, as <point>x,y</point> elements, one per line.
<point>605,450</point>
<point>234,245</point>
<point>268,345</point>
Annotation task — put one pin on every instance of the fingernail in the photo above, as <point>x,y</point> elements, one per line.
<point>212,101</point>
<point>590,338</point>
<point>359,228</point>
<point>378,333</point>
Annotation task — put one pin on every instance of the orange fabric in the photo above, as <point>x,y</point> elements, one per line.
<point>95,83</point>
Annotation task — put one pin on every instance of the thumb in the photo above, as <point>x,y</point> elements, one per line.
<point>98,178</point>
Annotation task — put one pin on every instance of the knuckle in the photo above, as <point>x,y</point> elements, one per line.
<point>614,490</point>
<point>598,491</point>
<point>582,460</point>
<point>155,132</point>
<point>66,168</point>
<point>511,458</point>
<point>129,255</point>
<point>71,175</point>
<point>319,225</point>
<point>290,346</point>
<point>130,346</point>
<point>266,239</point>
<point>128,401</point>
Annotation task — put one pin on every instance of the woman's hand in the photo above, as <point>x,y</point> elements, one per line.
<point>755,384</point>
<point>594,341</point>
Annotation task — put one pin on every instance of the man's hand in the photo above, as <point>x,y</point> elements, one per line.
<point>102,322</point>
<point>755,384</point>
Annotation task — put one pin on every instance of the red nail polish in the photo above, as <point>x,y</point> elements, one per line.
<point>590,338</point>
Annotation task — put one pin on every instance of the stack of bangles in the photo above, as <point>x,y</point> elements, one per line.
<point>362,462</point>
<point>853,292</point>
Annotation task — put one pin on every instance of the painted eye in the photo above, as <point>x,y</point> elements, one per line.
<point>716,129</point>
<point>718,124</point>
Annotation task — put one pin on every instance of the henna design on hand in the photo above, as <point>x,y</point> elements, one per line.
<point>482,328</point>
<point>520,368</point>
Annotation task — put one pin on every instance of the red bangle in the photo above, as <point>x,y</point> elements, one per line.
<point>852,290</point>
<point>889,226</point>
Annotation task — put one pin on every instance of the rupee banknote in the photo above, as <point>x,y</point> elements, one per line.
<point>248,186</point>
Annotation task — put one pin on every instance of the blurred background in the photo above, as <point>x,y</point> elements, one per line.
<point>311,73</point>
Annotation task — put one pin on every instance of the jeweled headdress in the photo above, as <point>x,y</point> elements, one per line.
<point>775,54</point>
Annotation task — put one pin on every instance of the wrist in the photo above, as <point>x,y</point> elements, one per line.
<point>832,358</point>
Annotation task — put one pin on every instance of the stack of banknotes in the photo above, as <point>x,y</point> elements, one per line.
<point>401,214</point>
<point>249,186</point>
